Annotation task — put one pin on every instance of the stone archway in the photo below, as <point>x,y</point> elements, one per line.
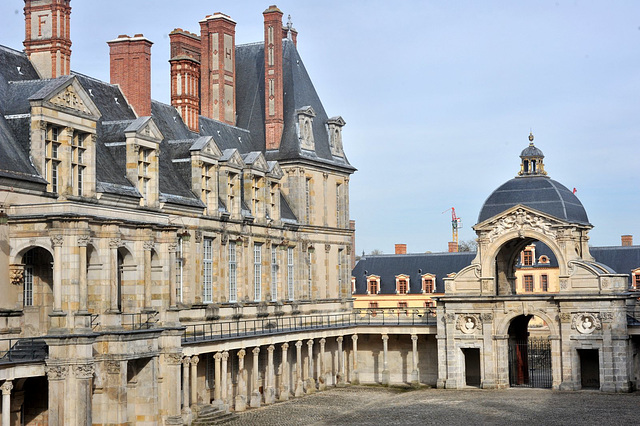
<point>530,363</point>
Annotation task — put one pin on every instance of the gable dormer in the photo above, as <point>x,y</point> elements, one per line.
<point>255,183</point>
<point>335,125</point>
<point>63,133</point>
<point>204,171</point>
<point>231,165</point>
<point>274,178</point>
<point>143,142</point>
<point>304,127</point>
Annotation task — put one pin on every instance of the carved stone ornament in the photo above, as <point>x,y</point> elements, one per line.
<point>488,317</point>
<point>113,367</point>
<point>57,240</point>
<point>586,323</point>
<point>564,317</point>
<point>520,220</point>
<point>173,358</point>
<point>486,286</point>
<point>16,272</point>
<point>84,371</point>
<point>449,318</point>
<point>606,316</point>
<point>149,245</point>
<point>468,323</point>
<point>57,372</point>
<point>225,239</point>
<point>115,243</point>
<point>6,387</point>
<point>606,283</point>
<point>198,236</point>
<point>564,284</point>
<point>70,99</point>
<point>172,247</point>
<point>84,240</point>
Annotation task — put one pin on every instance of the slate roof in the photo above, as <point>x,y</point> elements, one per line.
<point>298,92</point>
<point>622,259</point>
<point>227,136</point>
<point>538,192</point>
<point>388,266</point>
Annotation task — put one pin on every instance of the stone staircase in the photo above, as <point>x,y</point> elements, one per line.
<point>25,350</point>
<point>212,415</point>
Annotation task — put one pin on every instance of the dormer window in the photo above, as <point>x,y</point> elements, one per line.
<point>543,259</point>
<point>305,128</point>
<point>402,284</point>
<point>52,158</point>
<point>78,158</point>
<point>145,157</point>
<point>373,284</point>
<point>335,125</point>
<point>231,188</point>
<point>428,283</point>
<point>527,258</point>
<point>635,279</point>
<point>208,186</point>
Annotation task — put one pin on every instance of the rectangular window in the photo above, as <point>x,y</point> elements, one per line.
<point>637,280</point>
<point>341,268</point>
<point>230,193</point>
<point>257,272</point>
<point>144,163</point>
<point>307,200</point>
<point>428,285</point>
<point>206,184</point>
<point>274,273</point>
<point>338,205</point>
<point>402,286</point>
<point>207,263</point>
<point>544,283</point>
<point>233,285</point>
<point>402,305</point>
<point>373,287</point>
<point>77,162</point>
<point>309,274</point>
<point>28,285</point>
<point>528,283</point>
<point>373,305</point>
<point>54,176</point>
<point>290,271</point>
<point>256,197</point>
<point>179,270</point>
<point>527,258</point>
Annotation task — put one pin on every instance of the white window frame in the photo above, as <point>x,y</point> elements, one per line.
<point>257,272</point>
<point>179,270</point>
<point>207,270</point>
<point>233,272</point>
<point>290,273</point>
<point>274,273</point>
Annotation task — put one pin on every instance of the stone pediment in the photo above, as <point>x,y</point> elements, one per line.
<point>260,163</point>
<point>519,218</point>
<point>275,171</point>
<point>144,128</point>
<point>71,97</point>
<point>306,110</point>
<point>231,157</point>
<point>207,146</point>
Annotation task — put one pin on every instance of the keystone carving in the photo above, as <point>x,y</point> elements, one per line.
<point>16,272</point>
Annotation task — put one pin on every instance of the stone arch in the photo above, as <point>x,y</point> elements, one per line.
<point>499,261</point>
<point>502,327</point>
<point>20,249</point>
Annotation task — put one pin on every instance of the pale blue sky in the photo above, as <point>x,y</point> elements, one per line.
<point>439,97</point>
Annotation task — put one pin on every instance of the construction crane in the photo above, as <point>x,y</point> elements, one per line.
<point>456,223</point>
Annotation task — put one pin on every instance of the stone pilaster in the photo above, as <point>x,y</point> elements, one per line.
<point>217,390</point>
<point>224,391</point>
<point>194,380</point>
<point>322,375</point>
<point>6,387</point>
<point>186,362</point>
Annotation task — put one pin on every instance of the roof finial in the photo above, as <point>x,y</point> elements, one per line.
<point>289,27</point>
<point>530,138</point>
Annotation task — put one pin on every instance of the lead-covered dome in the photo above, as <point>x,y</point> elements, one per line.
<point>532,188</point>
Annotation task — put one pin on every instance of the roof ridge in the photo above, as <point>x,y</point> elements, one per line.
<point>45,80</point>
<point>88,77</point>
<point>224,124</point>
<point>254,43</point>
<point>12,50</point>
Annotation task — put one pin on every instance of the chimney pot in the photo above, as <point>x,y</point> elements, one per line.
<point>401,249</point>
<point>453,247</point>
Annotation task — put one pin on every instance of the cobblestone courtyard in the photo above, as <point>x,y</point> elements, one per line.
<point>379,406</point>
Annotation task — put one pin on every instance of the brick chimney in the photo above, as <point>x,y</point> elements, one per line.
<point>218,41</point>
<point>185,75</point>
<point>47,38</point>
<point>401,249</point>
<point>627,240</point>
<point>131,69</point>
<point>453,247</point>
<point>273,92</point>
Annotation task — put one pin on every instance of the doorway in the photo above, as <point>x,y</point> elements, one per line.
<point>472,366</point>
<point>529,353</point>
<point>589,368</point>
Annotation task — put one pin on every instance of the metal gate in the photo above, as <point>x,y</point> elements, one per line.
<point>530,362</point>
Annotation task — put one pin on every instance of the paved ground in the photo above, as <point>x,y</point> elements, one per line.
<point>380,406</point>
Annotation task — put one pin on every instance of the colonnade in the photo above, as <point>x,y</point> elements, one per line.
<point>6,388</point>
<point>294,376</point>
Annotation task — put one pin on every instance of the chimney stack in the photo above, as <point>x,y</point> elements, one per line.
<point>47,37</point>
<point>627,240</point>
<point>401,249</point>
<point>273,85</point>
<point>218,41</point>
<point>131,69</point>
<point>453,247</point>
<point>185,75</point>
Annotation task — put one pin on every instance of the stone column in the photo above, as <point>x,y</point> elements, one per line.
<point>172,274</point>
<point>82,274</point>
<point>256,397</point>
<point>6,387</point>
<point>84,375</point>
<point>114,243</point>
<point>170,371</point>
<point>241,396</point>
<point>57,375</point>
<point>270,388</point>
<point>186,361</point>
<point>322,377</point>
<point>56,242</point>
<point>311,383</point>
<point>194,380</point>
<point>148,246</point>
<point>415,376</point>
<point>355,379</point>
<point>217,395</point>
<point>284,382</point>
<point>340,375</point>
<point>385,361</point>
<point>224,391</point>
<point>299,384</point>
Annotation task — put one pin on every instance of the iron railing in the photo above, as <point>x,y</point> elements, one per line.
<point>22,350</point>
<point>139,321</point>
<point>213,331</point>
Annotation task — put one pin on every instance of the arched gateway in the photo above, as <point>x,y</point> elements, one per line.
<point>484,325</point>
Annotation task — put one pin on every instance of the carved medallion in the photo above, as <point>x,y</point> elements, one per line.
<point>586,323</point>
<point>469,323</point>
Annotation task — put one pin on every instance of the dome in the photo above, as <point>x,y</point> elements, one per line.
<point>538,192</point>
<point>531,151</point>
